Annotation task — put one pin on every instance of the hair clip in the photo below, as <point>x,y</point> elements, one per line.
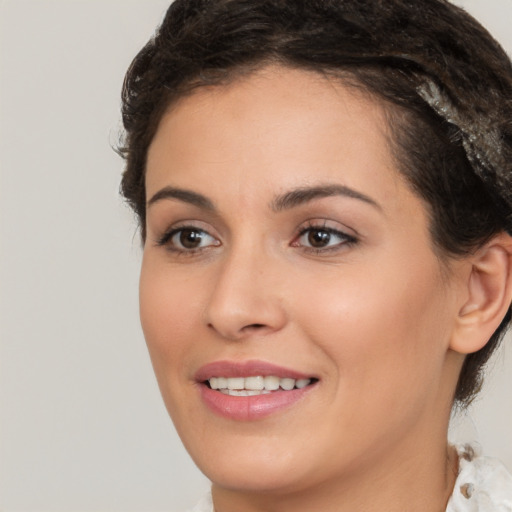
<point>481,140</point>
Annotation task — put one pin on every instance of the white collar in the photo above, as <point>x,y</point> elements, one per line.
<point>483,484</point>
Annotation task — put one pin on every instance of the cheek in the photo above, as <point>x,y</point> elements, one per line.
<point>168,310</point>
<point>170,316</point>
<point>385,330</point>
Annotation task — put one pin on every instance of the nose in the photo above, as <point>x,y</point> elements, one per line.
<point>245,299</point>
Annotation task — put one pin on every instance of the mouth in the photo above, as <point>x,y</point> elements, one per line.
<point>251,390</point>
<point>256,385</point>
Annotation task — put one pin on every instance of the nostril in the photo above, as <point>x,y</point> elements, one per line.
<point>248,327</point>
<point>253,328</point>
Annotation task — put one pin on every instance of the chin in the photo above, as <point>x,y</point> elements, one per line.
<point>249,463</point>
<point>254,476</point>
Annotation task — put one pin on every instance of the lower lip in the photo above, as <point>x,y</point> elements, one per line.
<point>250,408</point>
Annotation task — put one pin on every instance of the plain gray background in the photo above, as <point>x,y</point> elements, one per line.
<point>82,423</point>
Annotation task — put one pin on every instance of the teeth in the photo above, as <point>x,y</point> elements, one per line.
<point>302,383</point>
<point>287,384</point>
<point>254,383</point>
<point>236,383</point>
<point>257,385</point>
<point>244,392</point>
<point>271,383</point>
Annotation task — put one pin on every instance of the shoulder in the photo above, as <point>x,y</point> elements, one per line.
<point>483,484</point>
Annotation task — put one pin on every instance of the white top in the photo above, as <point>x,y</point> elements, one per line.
<point>483,485</point>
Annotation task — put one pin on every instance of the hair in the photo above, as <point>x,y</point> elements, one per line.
<point>445,83</point>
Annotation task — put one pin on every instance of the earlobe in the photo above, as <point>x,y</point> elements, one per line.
<point>489,295</point>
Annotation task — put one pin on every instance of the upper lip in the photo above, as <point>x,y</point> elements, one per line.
<point>246,369</point>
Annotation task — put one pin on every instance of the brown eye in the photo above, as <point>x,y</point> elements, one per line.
<point>323,239</point>
<point>319,238</point>
<point>190,238</point>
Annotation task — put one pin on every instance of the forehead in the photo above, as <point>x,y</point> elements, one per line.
<point>272,130</point>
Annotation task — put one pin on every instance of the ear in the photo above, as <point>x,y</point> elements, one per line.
<point>487,297</point>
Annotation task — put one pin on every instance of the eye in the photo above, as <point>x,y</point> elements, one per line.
<point>188,239</point>
<point>323,238</point>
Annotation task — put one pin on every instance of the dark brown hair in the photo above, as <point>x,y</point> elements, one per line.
<point>445,82</point>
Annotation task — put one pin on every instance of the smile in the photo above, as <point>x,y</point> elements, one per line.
<point>257,385</point>
<point>251,390</point>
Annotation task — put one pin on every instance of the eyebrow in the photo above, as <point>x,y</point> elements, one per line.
<point>287,201</point>
<point>187,196</point>
<point>303,195</point>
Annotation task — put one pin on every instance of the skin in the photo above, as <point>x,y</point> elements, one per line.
<point>373,320</point>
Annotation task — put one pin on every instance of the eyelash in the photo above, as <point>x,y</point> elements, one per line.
<point>166,238</point>
<point>346,240</point>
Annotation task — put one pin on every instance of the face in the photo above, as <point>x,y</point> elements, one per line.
<point>289,265</point>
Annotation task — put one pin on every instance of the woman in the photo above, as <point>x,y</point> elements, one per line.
<point>324,191</point>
